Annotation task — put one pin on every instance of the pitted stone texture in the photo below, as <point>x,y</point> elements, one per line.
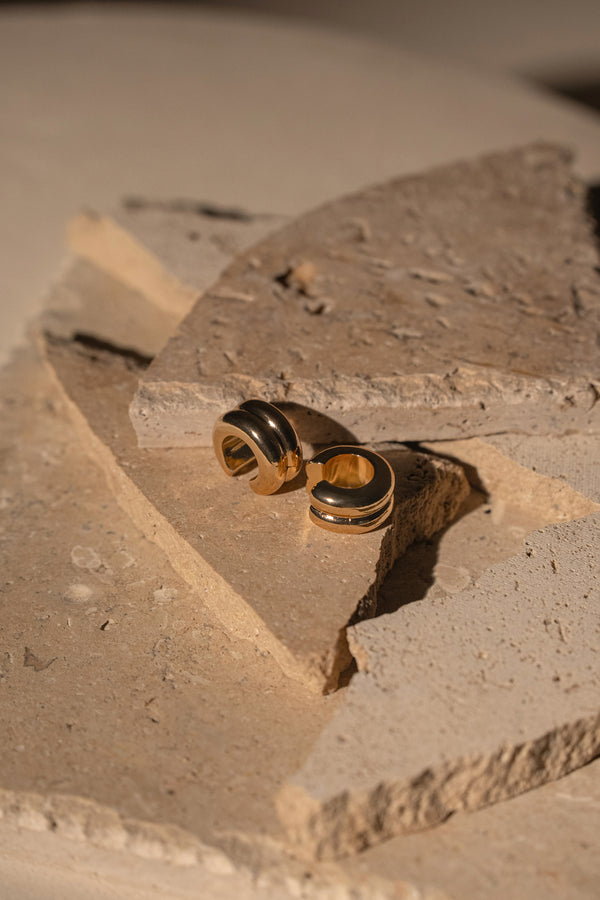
<point>471,695</point>
<point>459,302</point>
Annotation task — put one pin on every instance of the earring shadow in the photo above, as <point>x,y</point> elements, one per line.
<point>315,427</point>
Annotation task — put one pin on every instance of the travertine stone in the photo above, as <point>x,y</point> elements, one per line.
<point>215,737</point>
<point>117,682</point>
<point>459,302</point>
<point>169,252</point>
<point>485,688</point>
<point>519,501</point>
<point>60,654</point>
<point>141,745</point>
<point>262,567</point>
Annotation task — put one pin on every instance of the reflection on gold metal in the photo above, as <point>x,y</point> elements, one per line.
<point>256,431</point>
<point>351,489</point>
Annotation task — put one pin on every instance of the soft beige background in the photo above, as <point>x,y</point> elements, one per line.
<point>102,101</point>
<point>549,40</point>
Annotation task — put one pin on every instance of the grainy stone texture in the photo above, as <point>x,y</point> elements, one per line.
<point>460,302</point>
<point>542,844</point>
<point>485,688</point>
<point>263,568</point>
<point>506,504</point>
<point>117,682</point>
<point>141,744</point>
<point>76,726</point>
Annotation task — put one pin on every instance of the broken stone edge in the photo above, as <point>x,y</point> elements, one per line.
<point>81,821</point>
<point>350,822</point>
<point>85,821</point>
<point>381,409</point>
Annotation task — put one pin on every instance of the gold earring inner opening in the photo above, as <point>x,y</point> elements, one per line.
<point>348,470</point>
<point>237,454</point>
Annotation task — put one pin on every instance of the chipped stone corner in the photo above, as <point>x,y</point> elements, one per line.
<point>333,827</point>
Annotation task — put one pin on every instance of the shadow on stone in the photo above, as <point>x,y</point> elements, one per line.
<point>413,573</point>
<point>315,427</point>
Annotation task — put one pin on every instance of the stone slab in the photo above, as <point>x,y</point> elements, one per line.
<point>223,136</point>
<point>540,844</point>
<point>63,851</point>
<point>542,501</point>
<point>261,566</point>
<point>117,682</point>
<point>485,687</point>
<point>141,745</point>
<point>459,302</point>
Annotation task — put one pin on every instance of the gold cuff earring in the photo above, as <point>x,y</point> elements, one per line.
<point>257,430</point>
<point>351,489</point>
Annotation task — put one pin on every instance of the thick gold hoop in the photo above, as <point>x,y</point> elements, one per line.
<point>351,489</point>
<point>257,430</point>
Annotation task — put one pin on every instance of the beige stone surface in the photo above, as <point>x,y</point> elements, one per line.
<point>117,682</point>
<point>222,538</point>
<point>55,157</point>
<point>69,847</point>
<point>491,679</point>
<point>573,458</point>
<point>40,862</point>
<point>48,480</point>
<point>459,302</point>
<point>141,744</point>
<point>533,501</point>
<point>196,241</point>
<point>537,500</point>
<point>540,844</point>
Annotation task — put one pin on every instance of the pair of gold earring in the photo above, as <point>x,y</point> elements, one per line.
<point>351,488</point>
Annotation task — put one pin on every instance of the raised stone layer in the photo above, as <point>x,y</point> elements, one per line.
<point>459,302</point>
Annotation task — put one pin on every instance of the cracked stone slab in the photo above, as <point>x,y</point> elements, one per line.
<point>459,302</point>
<point>484,688</point>
<point>261,566</point>
<point>117,683</point>
<point>384,859</point>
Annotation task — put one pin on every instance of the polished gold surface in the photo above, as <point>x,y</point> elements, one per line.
<point>351,489</point>
<point>257,432</point>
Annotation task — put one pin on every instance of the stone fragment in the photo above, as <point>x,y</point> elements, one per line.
<point>368,356</point>
<point>486,687</point>
<point>141,270</point>
<point>262,568</point>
